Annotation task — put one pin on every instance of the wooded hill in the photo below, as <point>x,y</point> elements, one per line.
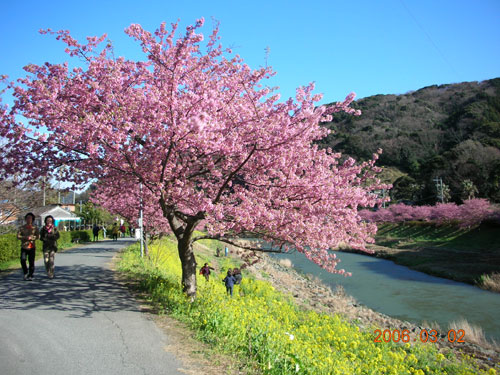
<point>448,131</point>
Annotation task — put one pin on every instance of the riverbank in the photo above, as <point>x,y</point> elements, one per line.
<point>268,309</point>
<point>466,255</point>
<point>309,292</point>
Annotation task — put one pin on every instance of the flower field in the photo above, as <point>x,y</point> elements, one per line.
<point>264,325</point>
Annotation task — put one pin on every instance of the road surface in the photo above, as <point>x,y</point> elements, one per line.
<point>82,322</point>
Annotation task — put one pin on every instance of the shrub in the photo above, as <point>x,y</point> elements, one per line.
<point>10,246</point>
<point>80,235</point>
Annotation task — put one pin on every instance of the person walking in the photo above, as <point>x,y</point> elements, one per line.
<point>104,231</point>
<point>205,271</point>
<point>49,236</point>
<point>237,279</point>
<point>229,282</point>
<point>95,231</point>
<point>114,232</point>
<point>28,234</point>
<point>237,276</point>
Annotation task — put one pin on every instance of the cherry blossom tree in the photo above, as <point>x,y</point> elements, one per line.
<point>471,212</point>
<point>209,141</point>
<point>124,198</point>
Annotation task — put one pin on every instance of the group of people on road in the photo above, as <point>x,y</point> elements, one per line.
<point>232,278</point>
<point>49,234</point>
<point>28,234</point>
<point>116,231</point>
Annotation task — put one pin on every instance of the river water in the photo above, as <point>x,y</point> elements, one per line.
<point>408,295</point>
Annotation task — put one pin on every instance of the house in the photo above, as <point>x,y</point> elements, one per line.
<point>68,207</point>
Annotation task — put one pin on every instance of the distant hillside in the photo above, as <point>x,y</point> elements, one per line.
<point>448,131</point>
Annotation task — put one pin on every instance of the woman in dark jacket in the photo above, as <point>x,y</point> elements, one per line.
<point>229,282</point>
<point>49,236</point>
<point>237,276</point>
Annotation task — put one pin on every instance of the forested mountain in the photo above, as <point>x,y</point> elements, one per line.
<point>447,131</point>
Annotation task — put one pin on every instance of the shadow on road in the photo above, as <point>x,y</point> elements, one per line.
<point>79,289</point>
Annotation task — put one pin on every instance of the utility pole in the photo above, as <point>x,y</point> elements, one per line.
<point>268,50</point>
<point>43,187</point>
<point>61,171</point>
<point>439,188</point>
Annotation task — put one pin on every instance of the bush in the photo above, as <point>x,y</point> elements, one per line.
<point>10,246</point>
<point>80,235</point>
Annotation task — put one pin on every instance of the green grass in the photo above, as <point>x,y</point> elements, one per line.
<point>484,237</point>
<point>468,255</point>
<point>267,332</point>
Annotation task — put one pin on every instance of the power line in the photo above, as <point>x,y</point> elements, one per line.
<point>267,50</point>
<point>431,40</point>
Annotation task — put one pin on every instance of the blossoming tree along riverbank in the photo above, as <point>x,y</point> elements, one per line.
<point>207,140</point>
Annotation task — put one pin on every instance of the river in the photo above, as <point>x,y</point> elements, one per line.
<point>408,295</point>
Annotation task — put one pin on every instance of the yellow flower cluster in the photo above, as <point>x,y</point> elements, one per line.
<point>263,324</point>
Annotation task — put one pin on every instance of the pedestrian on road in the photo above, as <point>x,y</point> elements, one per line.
<point>49,236</point>
<point>28,234</point>
<point>122,230</point>
<point>205,271</point>
<point>95,231</point>
<point>104,231</point>
<point>229,282</point>
<point>114,232</point>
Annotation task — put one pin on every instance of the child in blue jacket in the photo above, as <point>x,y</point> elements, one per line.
<point>229,281</point>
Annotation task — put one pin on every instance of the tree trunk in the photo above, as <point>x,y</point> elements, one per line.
<point>188,262</point>
<point>183,230</point>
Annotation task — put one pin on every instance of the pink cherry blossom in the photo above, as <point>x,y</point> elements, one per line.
<point>207,139</point>
<point>471,212</point>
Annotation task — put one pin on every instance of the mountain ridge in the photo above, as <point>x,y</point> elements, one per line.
<point>449,131</point>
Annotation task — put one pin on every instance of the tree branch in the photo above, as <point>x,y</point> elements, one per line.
<point>232,174</point>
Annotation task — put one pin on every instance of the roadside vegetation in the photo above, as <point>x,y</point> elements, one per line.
<point>10,246</point>
<point>267,331</point>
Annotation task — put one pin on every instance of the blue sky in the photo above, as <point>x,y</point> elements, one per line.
<point>366,46</point>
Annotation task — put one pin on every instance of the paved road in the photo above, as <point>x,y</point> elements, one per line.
<point>81,322</point>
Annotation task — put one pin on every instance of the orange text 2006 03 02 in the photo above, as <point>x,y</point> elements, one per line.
<point>425,336</point>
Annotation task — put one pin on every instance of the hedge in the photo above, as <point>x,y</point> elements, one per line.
<point>10,246</point>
